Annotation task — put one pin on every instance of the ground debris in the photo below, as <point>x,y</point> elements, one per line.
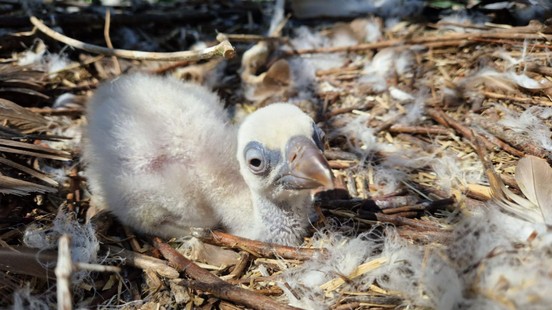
<point>415,220</point>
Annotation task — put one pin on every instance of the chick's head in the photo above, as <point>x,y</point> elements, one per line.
<point>280,152</point>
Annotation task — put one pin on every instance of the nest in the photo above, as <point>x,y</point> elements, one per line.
<point>425,124</point>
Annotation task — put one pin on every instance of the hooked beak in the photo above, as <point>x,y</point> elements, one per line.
<point>305,166</point>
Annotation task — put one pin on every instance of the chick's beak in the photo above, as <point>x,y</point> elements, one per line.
<point>305,166</point>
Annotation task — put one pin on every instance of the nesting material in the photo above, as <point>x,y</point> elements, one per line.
<point>84,244</point>
<point>404,105</point>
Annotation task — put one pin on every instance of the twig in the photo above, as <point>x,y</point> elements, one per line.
<point>208,282</point>
<point>223,49</point>
<point>426,237</point>
<point>107,25</point>
<point>52,111</point>
<point>429,130</point>
<point>258,248</point>
<point>516,98</point>
<point>424,206</point>
<point>513,138</point>
<point>252,38</point>
<point>63,271</point>
<point>240,267</point>
<point>144,262</point>
<point>97,267</point>
<point>442,118</point>
<point>399,221</point>
<point>435,41</point>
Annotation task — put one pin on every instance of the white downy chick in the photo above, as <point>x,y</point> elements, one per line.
<point>161,156</point>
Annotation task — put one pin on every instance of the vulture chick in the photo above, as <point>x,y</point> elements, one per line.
<point>163,156</point>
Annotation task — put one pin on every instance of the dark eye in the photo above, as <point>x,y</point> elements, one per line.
<point>318,136</point>
<point>255,158</point>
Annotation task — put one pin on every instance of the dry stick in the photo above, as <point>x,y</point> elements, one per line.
<point>258,248</point>
<point>430,130</point>
<point>37,174</point>
<point>442,118</point>
<point>64,269</point>
<point>107,25</point>
<point>206,281</point>
<point>399,221</point>
<point>223,49</point>
<point>518,99</point>
<point>52,111</point>
<point>509,42</point>
<point>144,262</point>
<point>432,42</point>
<point>252,38</point>
<point>519,141</point>
<point>240,267</point>
<point>424,206</point>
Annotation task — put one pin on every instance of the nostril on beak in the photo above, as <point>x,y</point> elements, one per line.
<point>293,157</point>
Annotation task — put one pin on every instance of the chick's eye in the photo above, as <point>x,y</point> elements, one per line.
<point>255,160</point>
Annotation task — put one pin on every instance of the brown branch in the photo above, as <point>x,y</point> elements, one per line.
<point>258,248</point>
<point>436,41</point>
<point>107,37</point>
<point>424,206</point>
<point>223,49</point>
<point>424,130</point>
<point>206,281</point>
<point>144,262</point>
<point>517,140</point>
<point>400,221</point>
<point>251,38</point>
<point>529,100</point>
<point>442,118</point>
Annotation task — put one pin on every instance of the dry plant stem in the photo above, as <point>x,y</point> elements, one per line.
<point>430,130</point>
<point>348,306</point>
<point>223,49</point>
<point>427,237</point>
<point>51,111</point>
<point>258,248</point>
<point>426,206</point>
<point>519,141</point>
<point>518,99</point>
<point>107,25</point>
<point>442,118</point>
<point>206,281</point>
<point>31,153</point>
<point>398,220</point>
<point>35,147</point>
<point>37,174</point>
<point>251,38</point>
<point>436,41</point>
<point>144,262</point>
<point>97,267</point>
<point>64,269</point>
<point>240,267</point>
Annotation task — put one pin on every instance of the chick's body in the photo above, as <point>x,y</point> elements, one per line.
<point>163,157</point>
